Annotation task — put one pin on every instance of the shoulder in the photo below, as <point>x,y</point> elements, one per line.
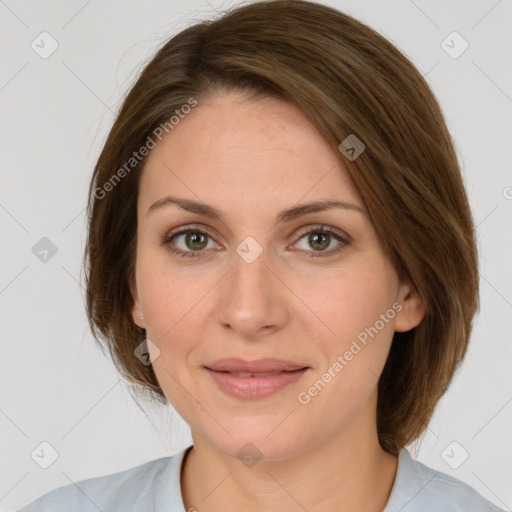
<point>131,489</point>
<point>420,488</point>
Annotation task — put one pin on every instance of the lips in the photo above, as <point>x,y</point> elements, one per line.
<point>254,379</point>
<point>252,374</point>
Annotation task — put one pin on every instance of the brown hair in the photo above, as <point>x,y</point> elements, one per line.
<point>347,79</point>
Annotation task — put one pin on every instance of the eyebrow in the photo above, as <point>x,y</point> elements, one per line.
<point>283,216</point>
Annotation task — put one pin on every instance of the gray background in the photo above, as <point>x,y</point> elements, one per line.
<point>56,386</point>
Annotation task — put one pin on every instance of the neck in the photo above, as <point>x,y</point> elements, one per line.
<point>351,471</point>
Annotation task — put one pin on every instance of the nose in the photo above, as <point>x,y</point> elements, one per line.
<point>253,300</point>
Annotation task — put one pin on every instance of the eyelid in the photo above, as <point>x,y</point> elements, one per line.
<point>200,228</point>
<point>323,228</point>
<point>302,231</point>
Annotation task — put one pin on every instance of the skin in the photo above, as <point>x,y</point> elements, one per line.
<point>252,158</point>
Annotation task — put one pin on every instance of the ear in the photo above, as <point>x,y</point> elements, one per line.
<point>413,308</point>
<point>136,308</point>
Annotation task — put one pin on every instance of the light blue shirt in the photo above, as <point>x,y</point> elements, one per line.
<point>155,487</point>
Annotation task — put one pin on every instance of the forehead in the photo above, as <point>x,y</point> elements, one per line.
<point>231,148</point>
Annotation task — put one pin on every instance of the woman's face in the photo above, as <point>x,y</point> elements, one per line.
<point>258,285</point>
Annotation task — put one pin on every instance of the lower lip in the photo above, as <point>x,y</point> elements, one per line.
<point>255,387</point>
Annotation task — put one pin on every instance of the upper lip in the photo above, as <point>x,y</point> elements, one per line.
<point>234,364</point>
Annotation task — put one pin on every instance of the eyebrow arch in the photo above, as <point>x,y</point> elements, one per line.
<point>283,216</point>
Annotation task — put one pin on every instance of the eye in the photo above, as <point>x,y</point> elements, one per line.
<point>320,238</point>
<point>195,239</point>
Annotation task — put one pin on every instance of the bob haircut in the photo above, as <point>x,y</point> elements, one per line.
<point>347,79</point>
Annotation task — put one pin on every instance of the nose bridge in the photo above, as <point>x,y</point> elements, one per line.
<point>252,299</point>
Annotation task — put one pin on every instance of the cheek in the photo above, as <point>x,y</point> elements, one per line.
<point>353,355</point>
<point>171,296</point>
<point>172,310</point>
<point>174,301</point>
<point>358,314</point>
<point>350,302</point>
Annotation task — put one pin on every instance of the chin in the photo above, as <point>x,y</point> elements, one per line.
<point>260,438</point>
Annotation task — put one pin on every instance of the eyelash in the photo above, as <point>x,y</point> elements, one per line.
<point>313,254</point>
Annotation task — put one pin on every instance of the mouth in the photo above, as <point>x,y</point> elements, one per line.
<point>255,384</point>
<point>254,367</point>
<point>255,374</point>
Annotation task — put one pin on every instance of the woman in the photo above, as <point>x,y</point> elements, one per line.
<point>280,246</point>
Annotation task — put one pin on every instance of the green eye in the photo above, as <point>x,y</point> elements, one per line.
<point>196,240</point>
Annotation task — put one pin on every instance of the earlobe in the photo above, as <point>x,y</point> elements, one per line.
<point>136,308</point>
<point>413,309</point>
